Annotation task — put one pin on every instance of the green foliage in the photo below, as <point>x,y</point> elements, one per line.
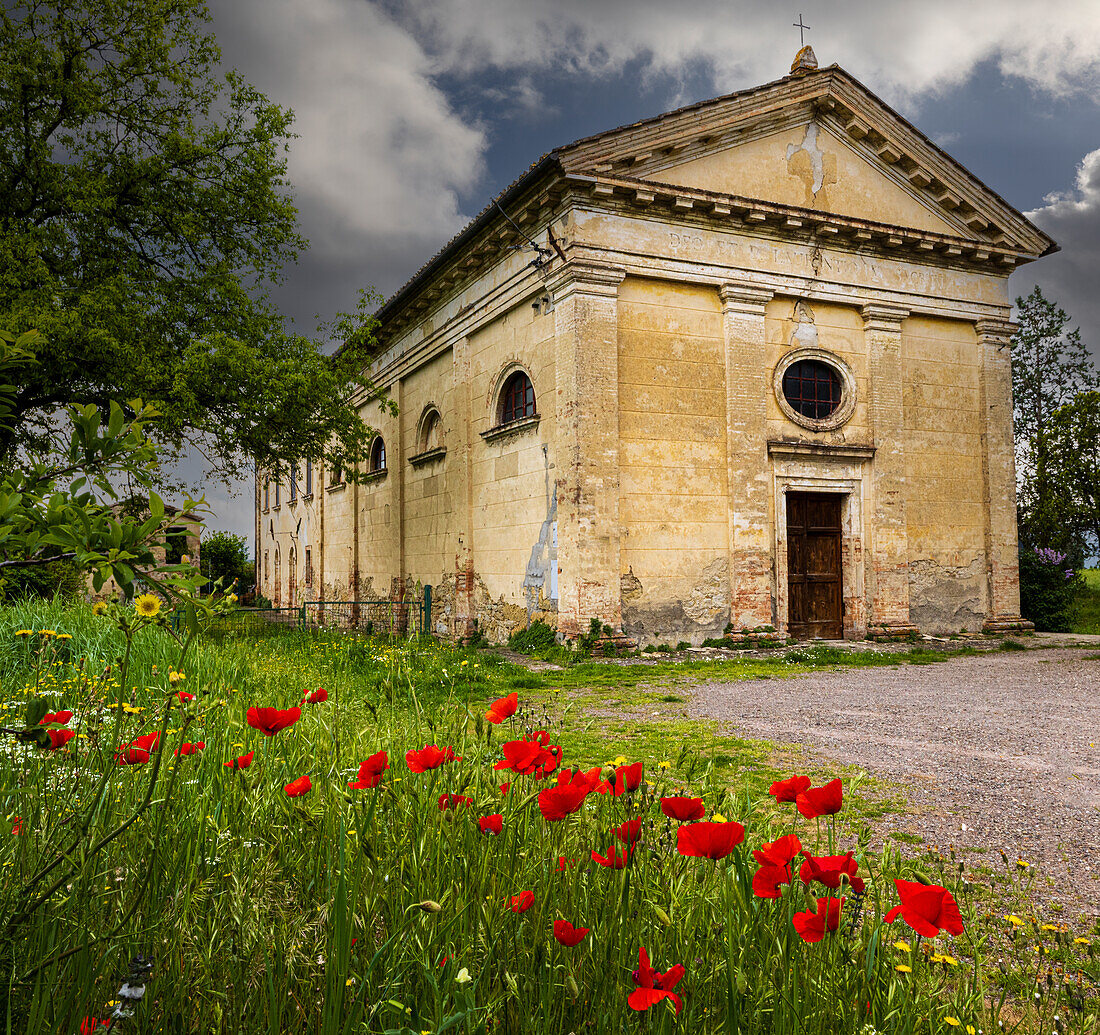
<point>1074,432</point>
<point>55,578</point>
<point>146,211</point>
<point>1048,589</point>
<point>224,556</point>
<point>537,638</point>
<point>61,506</point>
<point>376,911</point>
<point>1088,603</point>
<point>1050,366</point>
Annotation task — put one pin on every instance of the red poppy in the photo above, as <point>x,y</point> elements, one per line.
<point>813,926</point>
<point>90,1024</point>
<point>779,852</point>
<point>17,826</point>
<point>654,986</point>
<point>789,789</point>
<point>452,801</point>
<point>296,788</point>
<point>709,840</point>
<point>188,748</point>
<point>137,752</point>
<point>626,778</point>
<point>775,865</point>
<point>503,708</point>
<point>429,757</point>
<point>569,935</point>
<point>612,860</point>
<point>184,696</point>
<point>830,870</point>
<point>319,696</point>
<point>59,738</point>
<point>493,824</point>
<point>270,721</point>
<point>241,763</point>
<point>564,864</point>
<point>683,809</point>
<point>531,756</point>
<point>629,831</point>
<point>820,801</point>
<point>61,718</point>
<point>370,771</point>
<point>558,802</point>
<point>589,780</point>
<point>520,903</point>
<point>927,908</point>
<point>504,787</point>
<point>767,880</point>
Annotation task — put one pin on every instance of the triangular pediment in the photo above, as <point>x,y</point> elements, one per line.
<point>819,141</point>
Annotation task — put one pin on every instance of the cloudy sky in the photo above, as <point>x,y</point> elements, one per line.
<point>411,114</point>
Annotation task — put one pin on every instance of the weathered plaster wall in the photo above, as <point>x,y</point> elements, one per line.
<point>672,428</point>
<point>947,511</point>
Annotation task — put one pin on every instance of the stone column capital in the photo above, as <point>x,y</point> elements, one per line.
<point>742,296</point>
<point>586,277</point>
<point>883,317</point>
<point>994,331</point>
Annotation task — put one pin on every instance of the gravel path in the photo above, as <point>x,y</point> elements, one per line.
<point>1000,751</point>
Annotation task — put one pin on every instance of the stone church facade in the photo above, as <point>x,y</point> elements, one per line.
<point>743,365</point>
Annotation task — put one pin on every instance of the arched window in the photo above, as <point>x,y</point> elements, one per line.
<point>377,455</point>
<point>431,431</point>
<point>517,398</point>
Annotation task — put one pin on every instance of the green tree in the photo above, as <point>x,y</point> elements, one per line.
<point>1075,457</point>
<point>144,215</point>
<point>225,556</point>
<point>1050,366</point>
<point>62,508</point>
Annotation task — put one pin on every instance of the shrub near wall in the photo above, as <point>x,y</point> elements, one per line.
<point>1048,589</point>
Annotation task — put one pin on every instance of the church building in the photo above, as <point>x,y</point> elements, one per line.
<point>741,366</point>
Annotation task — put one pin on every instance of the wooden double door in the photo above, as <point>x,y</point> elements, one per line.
<point>814,582</point>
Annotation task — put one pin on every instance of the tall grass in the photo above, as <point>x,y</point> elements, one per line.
<point>376,910</point>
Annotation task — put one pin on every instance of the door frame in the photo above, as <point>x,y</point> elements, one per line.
<point>825,469</point>
<point>836,538</point>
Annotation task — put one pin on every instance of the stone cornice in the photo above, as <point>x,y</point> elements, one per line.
<point>999,332</point>
<point>778,447</point>
<point>883,317</point>
<point>585,277</point>
<point>694,205</point>
<point>740,296</point>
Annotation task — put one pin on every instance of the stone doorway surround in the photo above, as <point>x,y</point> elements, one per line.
<point>824,468</point>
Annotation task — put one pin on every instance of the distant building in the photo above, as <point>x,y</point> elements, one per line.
<point>757,377</point>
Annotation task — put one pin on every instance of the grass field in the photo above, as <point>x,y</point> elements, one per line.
<point>1088,604</point>
<point>264,902</point>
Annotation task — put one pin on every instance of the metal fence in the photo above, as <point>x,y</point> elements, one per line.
<point>390,618</point>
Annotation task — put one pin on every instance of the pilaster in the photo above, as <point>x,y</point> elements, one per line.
<point>999,475</point>
<point>889,533</point>
<point>464,609</point>
<point>747,463</point>
<point>586,340</point>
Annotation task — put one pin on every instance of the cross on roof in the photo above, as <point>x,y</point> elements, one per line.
<point>801,30</point>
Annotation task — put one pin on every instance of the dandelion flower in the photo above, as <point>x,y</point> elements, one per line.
<point>903,968</point>
<point>953,1021</point>
<point>24,632</point>
<point>99,608</point>
<point>664,765</point>
<point>147,605</point>
<point>1013,919</point>
<point>903,946</point>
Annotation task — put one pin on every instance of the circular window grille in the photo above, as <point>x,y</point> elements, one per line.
<point>815,389</point>
<point>812,388</point>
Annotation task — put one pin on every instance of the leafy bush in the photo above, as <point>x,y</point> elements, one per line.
<point>58,578</point>
<point>1048,588</point>
<point>537,638</point>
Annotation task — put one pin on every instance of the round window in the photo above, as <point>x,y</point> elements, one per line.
<point>812,388</point>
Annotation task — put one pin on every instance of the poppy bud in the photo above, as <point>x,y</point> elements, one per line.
<point>572,986</point>
<point>662,915</point>
<point>742,982</point>
<point>431,907</point>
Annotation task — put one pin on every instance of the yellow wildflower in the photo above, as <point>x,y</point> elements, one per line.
<point>1013,919</point>
<point>24,632</point>
<point>99,608</point>
<point>971,1030</point>
<point>1022,864</point>
<point>46,633</point>
<point>147,605</point>
<point>664,765</point>
<point>953,1021</point>
<point>620,760</point>
<point>175,677</point>
<point>718,818</point>
<point>1081,941</point>
<point>903,946</point>
<point>903,968</point>
<point>64,636</point>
